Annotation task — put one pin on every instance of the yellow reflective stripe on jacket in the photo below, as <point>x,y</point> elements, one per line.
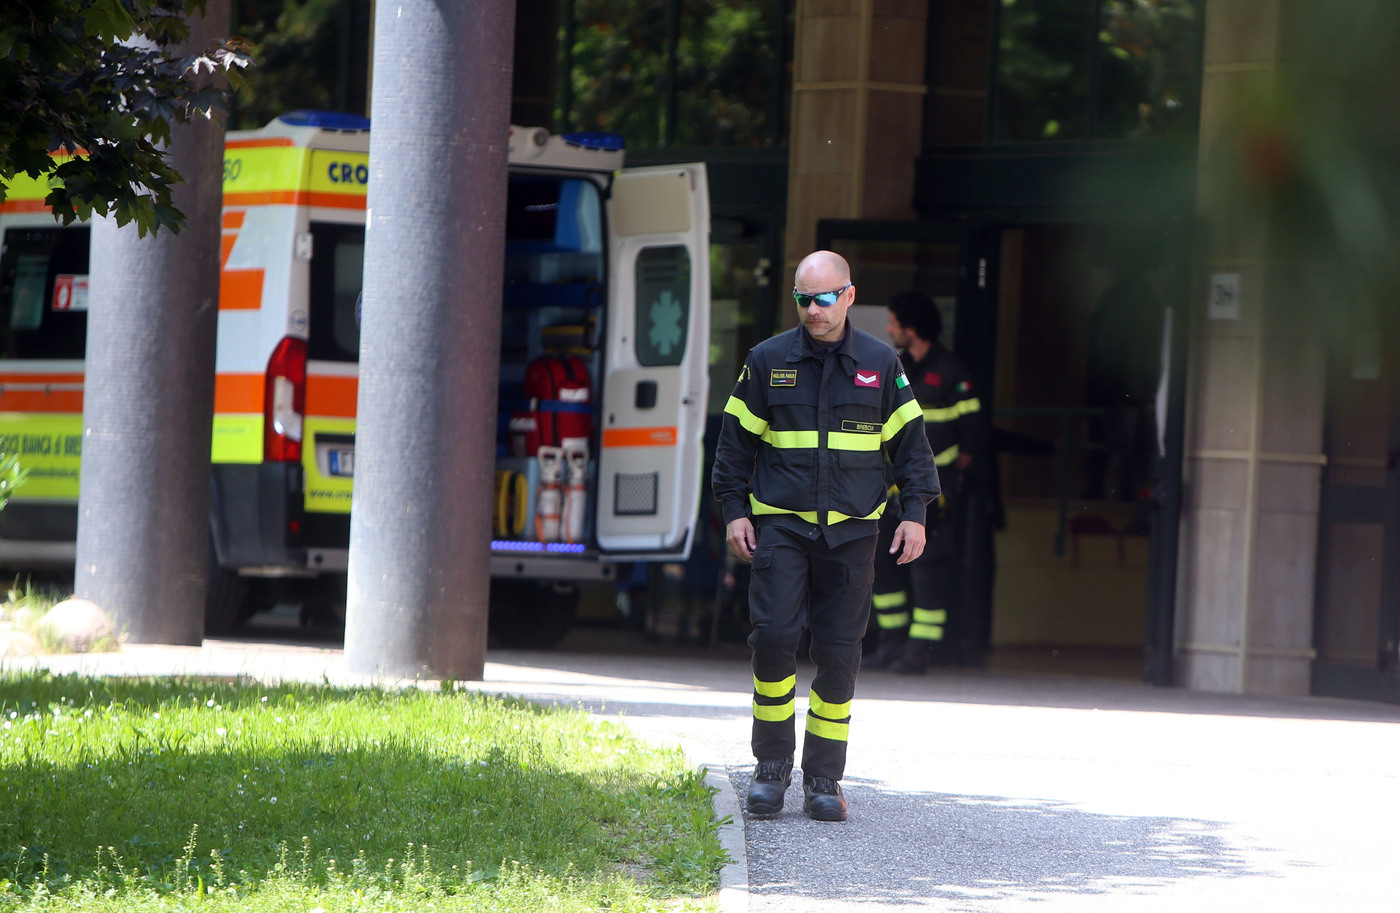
<point>835,516</point>
<point>946,457</point>
<point>901,417</point>
<point>892,621</point>
<point>752,423</point>
<point>774,713</point>
<point>926,617</point>
<point>832,516</point>
<point>790,439</point>
<point>828,711</point>
<point>759,508</point>
<point>837,732</point>
<point>889,600</point>
<point>851,440</point>
<point>953,412</point>
<point>774,689</point>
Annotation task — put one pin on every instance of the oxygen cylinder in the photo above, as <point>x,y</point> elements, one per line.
<point>550,503</point>
<point>576,496</point>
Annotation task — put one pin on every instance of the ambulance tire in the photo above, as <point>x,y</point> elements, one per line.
<point>227,602</point>
<point>530,615</point>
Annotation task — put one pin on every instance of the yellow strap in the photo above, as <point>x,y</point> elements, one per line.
<point>850,440</point>
<point>930,616</point>
<point>790,439</point>
<point>760,508</point>
<point>902,416</point>
<point>774,689</point>
<point>925,632</point>
<point>826,710</point>
<point>752,423</point>
<point>835,516</point>
<point>953,412</point>
<point>892,621</point>
<point>889,600</point>
<point>836,732</point>
<point>774,713</point>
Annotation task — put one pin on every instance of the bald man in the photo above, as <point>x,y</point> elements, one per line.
<point>800,475</point>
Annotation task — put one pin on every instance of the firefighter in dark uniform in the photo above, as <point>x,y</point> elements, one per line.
<point>800,474</point>
<point>914,613</point>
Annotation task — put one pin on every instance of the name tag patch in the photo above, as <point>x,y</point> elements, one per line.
<point>860,427</point>
<point>782,377</point>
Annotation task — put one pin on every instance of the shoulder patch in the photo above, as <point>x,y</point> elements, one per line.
<point>782,377</point>
<point>901,381</point>
<point>743,374</point>
<point>964,386</point>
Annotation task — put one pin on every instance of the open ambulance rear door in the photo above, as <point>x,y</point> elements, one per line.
<point>656,377</point>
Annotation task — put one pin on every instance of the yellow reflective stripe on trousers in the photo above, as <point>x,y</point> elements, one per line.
<point>791,439</point>
<point>889,600</point>
<point>928,624</point>
<point>901,417</point>
<point>774,689</point>
<point>752,423</point>
<point>836,732</point>
<point>946,457</point>
<point>892,621</point>
<point>851,440</point>
<point>774,713</point>
<point>826,710</point>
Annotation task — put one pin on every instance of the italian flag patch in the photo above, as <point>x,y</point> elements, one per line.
<point>901,381</point>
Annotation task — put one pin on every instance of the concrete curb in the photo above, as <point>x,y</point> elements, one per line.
<point>734,877</point>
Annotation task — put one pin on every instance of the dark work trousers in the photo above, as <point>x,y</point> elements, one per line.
<point>915,599</point>
<point>799,580</point>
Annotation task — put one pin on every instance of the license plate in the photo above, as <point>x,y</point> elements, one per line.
<point>342,462</point>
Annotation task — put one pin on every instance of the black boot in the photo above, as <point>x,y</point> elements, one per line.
<point>771,777</point>
<point>913,659</point>
<point>887,651</point>
<point>822,799</point>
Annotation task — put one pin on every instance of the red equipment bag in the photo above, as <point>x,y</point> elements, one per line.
<point>560,411</point>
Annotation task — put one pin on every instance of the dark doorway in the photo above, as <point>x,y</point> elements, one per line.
<point>1358,566</point>
<point>1069,541</point>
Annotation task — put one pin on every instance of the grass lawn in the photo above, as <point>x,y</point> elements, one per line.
<point>176,794</point>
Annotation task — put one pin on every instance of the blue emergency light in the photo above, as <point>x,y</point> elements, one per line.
<point>596,140</point>
<point>326,120</point>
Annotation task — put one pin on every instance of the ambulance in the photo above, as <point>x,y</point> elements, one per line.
<point>603,379</point>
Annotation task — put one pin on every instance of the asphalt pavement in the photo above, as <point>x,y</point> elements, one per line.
<point>977,791</point>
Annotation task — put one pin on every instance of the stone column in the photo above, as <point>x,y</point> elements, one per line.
<point>857,114</point>
<point>1254,444</point>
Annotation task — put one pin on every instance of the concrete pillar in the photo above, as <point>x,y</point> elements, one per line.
<point>1254,444</point>
<point>857,114</point>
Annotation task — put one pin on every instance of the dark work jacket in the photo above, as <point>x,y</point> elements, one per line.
<point>806,437</point>
<point>943,387</point>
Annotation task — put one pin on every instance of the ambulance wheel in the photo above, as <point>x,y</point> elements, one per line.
<point>529,615</point>
<point>226,602</point>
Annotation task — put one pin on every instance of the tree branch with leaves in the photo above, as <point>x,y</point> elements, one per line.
<point>100,82</point>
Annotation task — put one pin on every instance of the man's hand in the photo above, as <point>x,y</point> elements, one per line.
<point>909,534</point>
<point>742,539</point>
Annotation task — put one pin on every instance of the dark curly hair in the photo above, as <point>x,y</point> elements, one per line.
<point>917,311</point>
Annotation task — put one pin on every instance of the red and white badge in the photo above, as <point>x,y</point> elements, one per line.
<point>867,378</point>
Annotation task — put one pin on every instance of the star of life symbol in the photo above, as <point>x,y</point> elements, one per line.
<point>665,333</point>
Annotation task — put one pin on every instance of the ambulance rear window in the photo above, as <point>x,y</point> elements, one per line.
<point>337,274</point>
<point>43,292</point>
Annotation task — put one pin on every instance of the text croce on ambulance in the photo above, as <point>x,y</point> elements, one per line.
<point>603,370</point>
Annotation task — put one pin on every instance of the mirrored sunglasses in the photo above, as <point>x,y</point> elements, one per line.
<point>823,299</point>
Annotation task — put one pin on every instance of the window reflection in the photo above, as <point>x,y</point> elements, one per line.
<point>1096,69</point>
<point>678,72</point>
